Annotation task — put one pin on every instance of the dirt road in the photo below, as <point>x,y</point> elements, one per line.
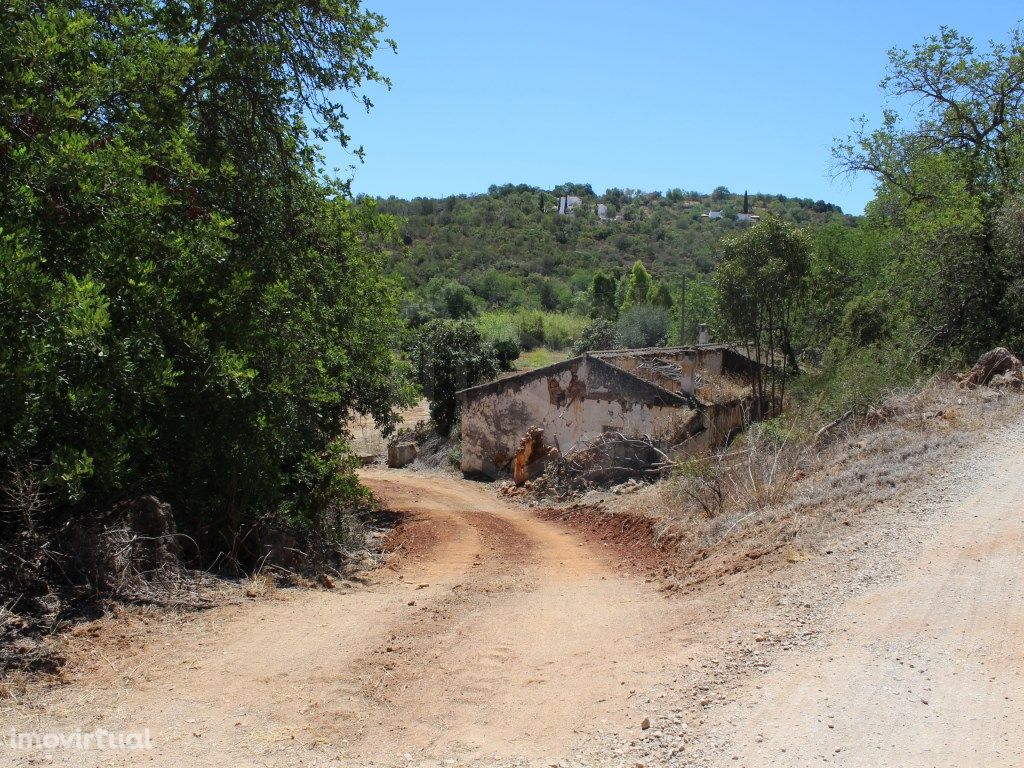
<point>493,634</point>
<point>496,638</point>
<point>927,669</point>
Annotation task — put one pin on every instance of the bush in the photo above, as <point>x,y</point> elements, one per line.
<point>860,379</point>
<point>865,318</point>
<point>598,334</point>
<point>451,299</point>
<point>507,352</point>
<point>451,355</point>
<point>561,331</point>
<point>499,329</point>
<point>531,329</point>
<point>643,326</point>
<point>189,310</point>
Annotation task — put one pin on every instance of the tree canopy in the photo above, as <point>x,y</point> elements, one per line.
<point>761,280</point>
<point>948,156</point>
<point>190,306</point>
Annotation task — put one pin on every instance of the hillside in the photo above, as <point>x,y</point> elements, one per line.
<point>512,248</point>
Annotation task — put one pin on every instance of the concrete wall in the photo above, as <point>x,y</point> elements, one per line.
<point>571,402</point>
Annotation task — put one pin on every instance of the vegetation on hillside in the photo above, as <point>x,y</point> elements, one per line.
<point>510,247</point>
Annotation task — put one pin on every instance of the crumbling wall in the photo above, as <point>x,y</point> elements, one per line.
<point>721,422</point>
<point>573,402</point>
<point>689,360</point>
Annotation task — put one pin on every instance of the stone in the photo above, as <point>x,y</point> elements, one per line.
<point>401,454</point>
<point>997,361</point>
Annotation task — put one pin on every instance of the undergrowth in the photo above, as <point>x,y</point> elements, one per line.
<point>784,483</point>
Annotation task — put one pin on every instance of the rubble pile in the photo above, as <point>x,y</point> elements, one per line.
<point>613,462</point>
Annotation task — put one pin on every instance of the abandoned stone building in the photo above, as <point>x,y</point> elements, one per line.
<point>685,399</point>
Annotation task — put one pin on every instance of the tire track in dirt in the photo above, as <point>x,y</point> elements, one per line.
<point>492,633</point>
<point>541,640</point>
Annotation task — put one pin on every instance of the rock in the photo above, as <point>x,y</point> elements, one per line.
<point>401,454</point>
<point>1008,380</point>
<point>645,724</point>
<point>998,361</point>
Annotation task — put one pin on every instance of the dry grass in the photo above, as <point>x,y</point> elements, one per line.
<point>781,491</point>
<point>720,388</point>
<point>261,584</point>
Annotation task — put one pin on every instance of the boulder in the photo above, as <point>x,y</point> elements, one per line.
<point>998,361</point>
<point>401,454</point>
<point>1008,380</point>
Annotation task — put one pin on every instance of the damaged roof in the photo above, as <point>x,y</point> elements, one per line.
<point>640,386</point>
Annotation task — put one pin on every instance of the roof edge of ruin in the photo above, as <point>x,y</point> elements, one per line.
<point>675,397</point>
<point>678,397</point>
<point>522,375</point>
<point>603,353</point>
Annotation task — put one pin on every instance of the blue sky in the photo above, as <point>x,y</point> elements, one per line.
<point>649,95</point>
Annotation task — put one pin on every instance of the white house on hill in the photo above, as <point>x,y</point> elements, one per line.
<point>566,203</point>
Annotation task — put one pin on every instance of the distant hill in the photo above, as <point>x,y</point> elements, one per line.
<point>512,247</point>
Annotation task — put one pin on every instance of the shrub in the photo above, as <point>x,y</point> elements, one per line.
<point>188,310</point>
<point>500,330</point>
<point>643,326</point>
<point>561,331</point>
<point>531,329</point>
<point>598,334</point>
<point>862,378</point>
<point>451,355</point>
<point>507,352</point>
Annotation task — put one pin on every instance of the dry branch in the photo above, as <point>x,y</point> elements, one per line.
<point>827,430</point>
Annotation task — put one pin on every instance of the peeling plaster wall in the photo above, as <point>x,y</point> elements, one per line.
<point>573,404</point>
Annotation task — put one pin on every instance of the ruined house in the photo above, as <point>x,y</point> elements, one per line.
<point>685,399</point>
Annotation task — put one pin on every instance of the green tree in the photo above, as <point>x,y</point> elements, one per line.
<point>662,297</point>
<point>191,308</point>
<point>946,168</point>
<point>700,307</point>
<point>451,299</point>
<point>451,355</point>
<point>598,334</point>
<point>644,325</point>
<point>602,296</point>
<point>846,262</point>
<point>639,288</point>
<point>760,281</point>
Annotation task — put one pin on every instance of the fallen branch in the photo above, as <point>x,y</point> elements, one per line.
<point>825,431</point>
